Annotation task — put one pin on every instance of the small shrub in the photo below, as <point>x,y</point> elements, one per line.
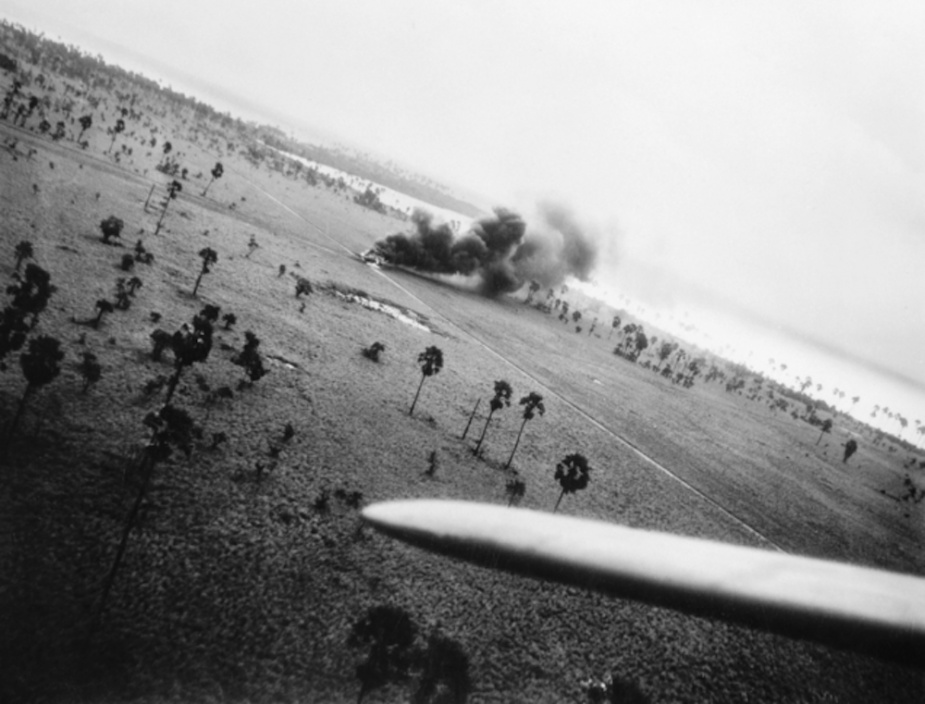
<point>515,490</point>
<point>303,285</point>
<point>372,352</point>
<point>142,255</point>
<point>111,228</point>
<point>250,358</point>
<point>252,247</point>
<point>322,501</point>
<point>128,262</point>
<point>217,439</point>
<point>353,499</point>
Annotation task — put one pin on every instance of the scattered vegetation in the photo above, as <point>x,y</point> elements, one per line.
<point>173,189</point>
<point>394,655</point>
<point>30,293</point>
<point>40,365</point>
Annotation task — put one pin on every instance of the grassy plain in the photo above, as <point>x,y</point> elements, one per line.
<point>239,590</point>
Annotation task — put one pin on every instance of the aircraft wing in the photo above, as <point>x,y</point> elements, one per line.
<point>850,607</point>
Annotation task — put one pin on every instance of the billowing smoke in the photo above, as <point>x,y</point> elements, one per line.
<point>499,250</point>
<point>557,247</point>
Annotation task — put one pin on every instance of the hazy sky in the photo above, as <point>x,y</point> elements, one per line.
<point>769,157</point>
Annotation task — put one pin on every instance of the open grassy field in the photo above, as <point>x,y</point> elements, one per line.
<point>241,585</point>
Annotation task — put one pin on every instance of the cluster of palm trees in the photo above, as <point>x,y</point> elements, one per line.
<point>572,473</point>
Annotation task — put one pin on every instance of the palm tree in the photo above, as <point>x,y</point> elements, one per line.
<point>190,345</point>
<point>431,361</point>
<point>532,403</point>
<point>209,257</point>
<point>170,428</point>
<point>40,365</point>
<point>119,127</point>
<point>23,251</point>
<point>826,428</point>
<point>85,123</point>
<point>573,474</point>
<point>134,284</point>
<point>103,306</point>
<point>173,188</point>
<point>217,172</point>
<point>501,399</point>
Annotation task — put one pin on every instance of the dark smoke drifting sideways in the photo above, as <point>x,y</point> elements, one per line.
<point>498,250</point>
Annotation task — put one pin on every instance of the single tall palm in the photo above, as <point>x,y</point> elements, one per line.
<point>573,474</point>
<point>217,172</point>
<point>173,188</point>
<point>826,428</point>
<point>40,365</point>
<point>502,398</point>
<point>431,361</point>
<point>209,257</point>
<point>533,404</point>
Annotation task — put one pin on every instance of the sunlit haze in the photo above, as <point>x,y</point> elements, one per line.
<point>758,168</point>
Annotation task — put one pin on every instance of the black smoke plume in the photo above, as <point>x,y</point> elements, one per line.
<point>498,250</point>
